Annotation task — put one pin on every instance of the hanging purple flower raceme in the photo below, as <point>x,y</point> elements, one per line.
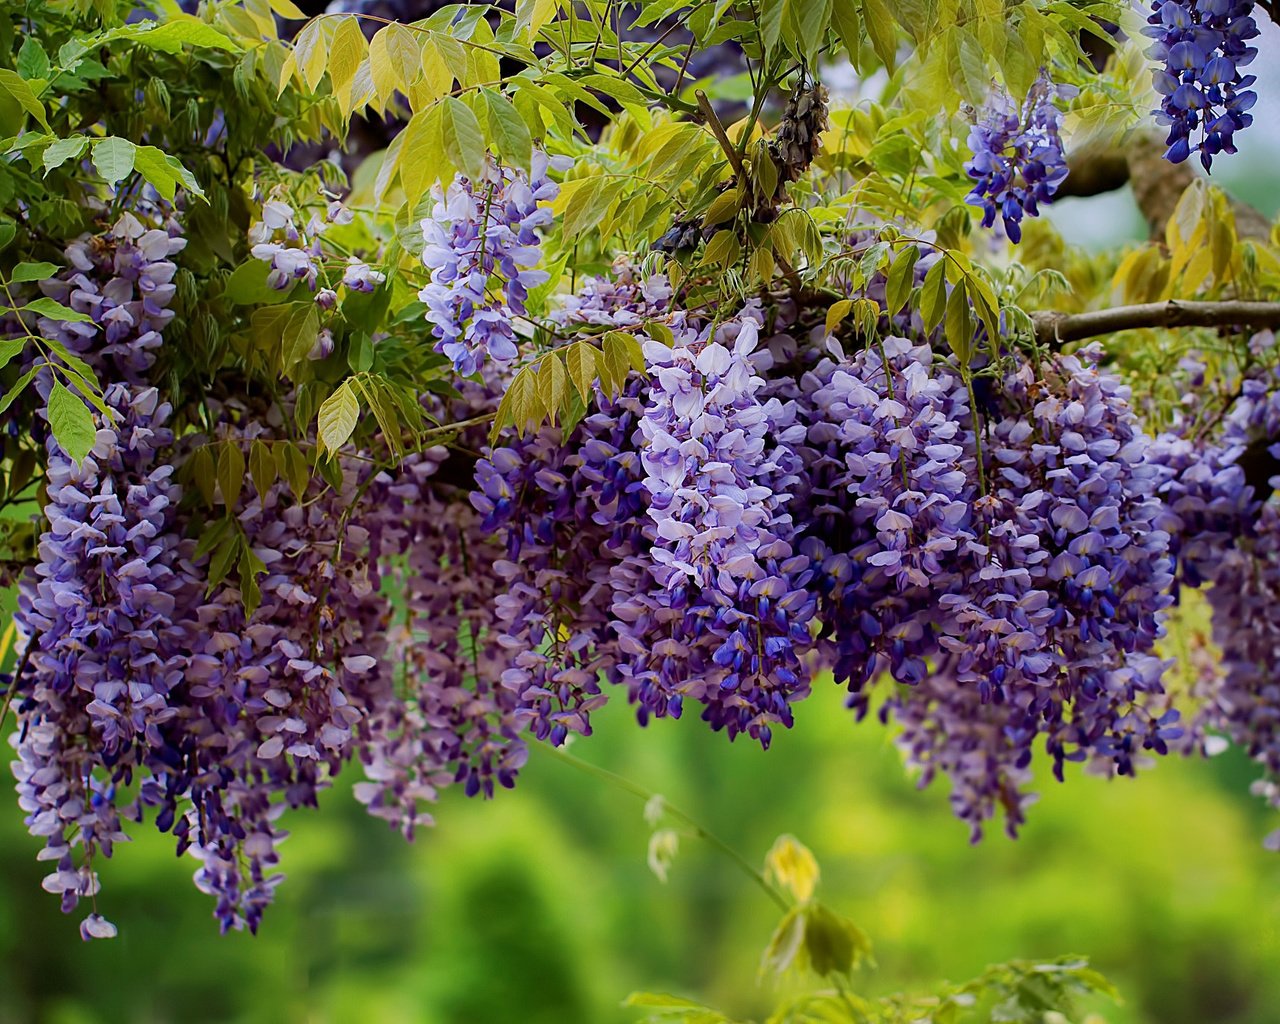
<point>567,510</point>
<point>728,620</point>
<point>280,699</point>
<point>478,230</point>
<point>1017,161</point>
<point>105,648</point>
<point>1245,702</point>
<point>1205,99</point>
<point>1061,593</point>
<point>123,279</point>
<point>105,642</point>
<point>1228,537</point>
<point>890,478</point>
<point>450,721</point>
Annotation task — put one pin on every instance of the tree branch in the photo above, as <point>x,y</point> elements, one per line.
<point>1157,184</point>
<point>1055,328</point>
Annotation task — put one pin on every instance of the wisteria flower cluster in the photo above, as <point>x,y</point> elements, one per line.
<point>479,230</point>
<point>1227,535</point>
<point>755,508</point>
<point>1017,163</point>
<point>728,620</point>
<point>1205,98</point>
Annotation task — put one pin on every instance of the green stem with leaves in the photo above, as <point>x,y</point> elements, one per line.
<point>698,829</point>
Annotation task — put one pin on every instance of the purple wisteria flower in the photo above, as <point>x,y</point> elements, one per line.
<point>106,652</point>
<point>1017,161</point>
<point>727,623</point>
<point>567,511</point>
<point>277,240</point>
<point>1202,45</point>
<point>124,281</point>
<point>479,230</point>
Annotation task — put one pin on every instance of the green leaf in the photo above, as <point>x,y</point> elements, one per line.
<point>722,208</point>
<point>228,550</point>
<point>288,10</point>
<point>62,150</point>
<point>580,361</point>
<point>338,418</point>
<point>262,466</point>
<point>247,285</point>
<point>203,473</point>
<point>71,422</point>
<point>187,179</point>
<point>631,348</point>
<point>959,324</point>
<point>179,30</point>
<point>19,386</point>
<point>508,130</point>
<point>57,311</point>
<point>423,160</point>
<point>346,51</point>
<point>615,88</point>
<point>848,26</point>
<point>933,295</point>
<point>10,347</point>
<point>293,467</point>
<point>230,473</point>
<point>114,158</point>
<point>900,281</point>
<point>722,251</point>
<point>32,62</point>
<point>833,944</point>
<point>299,336</point>
<point>24,272</point>
<point>211,537</point>
<point>160,170</point>
<point>250,566</point>
<point>882,29</point>
<point>382,402</point>
<point>583,203</point>
<point>13,83</point>
<point>616,362</point>
<point>808,21</point>
<point>463,139</point>
<point>786,943</point>
<point>526,409</point>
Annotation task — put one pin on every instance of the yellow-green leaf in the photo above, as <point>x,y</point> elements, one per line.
<point>346,52</point>
<point>114,158</point>
<point>553,384</point>
<point>463,139</point>
<point>580,361</point>
<point>395,61</point>
<point>508,130</point>
<point>836,313</point>
<point>337,418</point>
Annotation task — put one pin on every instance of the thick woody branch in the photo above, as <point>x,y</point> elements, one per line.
<point>1157,184</point>
<point>1054,328</point>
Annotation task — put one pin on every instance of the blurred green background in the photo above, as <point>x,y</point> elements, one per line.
<point>538,906</point>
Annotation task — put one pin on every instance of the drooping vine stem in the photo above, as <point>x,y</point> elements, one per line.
<point>698,829</point>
